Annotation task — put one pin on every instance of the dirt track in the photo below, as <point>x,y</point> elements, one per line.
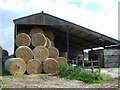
<point>51,82</point>
<point>36,81</point>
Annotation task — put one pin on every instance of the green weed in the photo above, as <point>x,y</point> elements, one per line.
<point>79,73</point>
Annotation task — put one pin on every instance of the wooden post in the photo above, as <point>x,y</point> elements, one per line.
<point>92,67</point>
<point>15,38</point>
<point>99,65</point>
<point>83,60</point>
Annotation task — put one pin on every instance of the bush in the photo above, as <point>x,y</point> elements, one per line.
<point>79,73</point>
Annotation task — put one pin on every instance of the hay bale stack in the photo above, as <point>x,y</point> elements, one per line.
<point>53,52</point>
<point>24,52</point>
<point>48,43</point>
<point>52,44</point>
<point>34,67</point>
<point>23,39</point>
<point>50,65</point>
<point>61,60</point>
<point>36,30</point>
<point>39,40</point>
<point>40,53</point>
<point>50,35</point>
<point>15,66</point>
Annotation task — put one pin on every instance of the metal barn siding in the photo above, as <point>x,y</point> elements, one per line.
<point>108,58</point>
<point>111,57</point>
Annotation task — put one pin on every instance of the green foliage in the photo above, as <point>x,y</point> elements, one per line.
<point>79,73</point>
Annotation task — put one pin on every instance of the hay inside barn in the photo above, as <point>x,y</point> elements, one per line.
<point>68,37</point>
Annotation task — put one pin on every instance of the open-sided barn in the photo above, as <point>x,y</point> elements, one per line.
<point>69,37</point>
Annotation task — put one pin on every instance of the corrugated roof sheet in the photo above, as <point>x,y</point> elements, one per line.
<point>79,36</point>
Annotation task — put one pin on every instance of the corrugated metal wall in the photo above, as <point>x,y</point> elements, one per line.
<point>109,58</point>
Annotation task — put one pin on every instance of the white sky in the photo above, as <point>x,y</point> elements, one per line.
<point>98,15</point>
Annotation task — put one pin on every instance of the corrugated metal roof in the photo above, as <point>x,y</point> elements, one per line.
<point>79,36</point>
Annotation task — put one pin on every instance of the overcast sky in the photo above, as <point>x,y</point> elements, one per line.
<point>98,15</point>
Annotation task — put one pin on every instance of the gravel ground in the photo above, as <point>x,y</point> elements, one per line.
<point>36,81</point>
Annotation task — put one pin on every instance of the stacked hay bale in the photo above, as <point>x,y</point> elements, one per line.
<point>43,57</point>
<point>5,55</point>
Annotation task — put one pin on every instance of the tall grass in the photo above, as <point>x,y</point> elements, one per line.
<point>78,73</point>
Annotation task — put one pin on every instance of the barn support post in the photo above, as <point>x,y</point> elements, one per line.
<point>15,32</point>
<point>83,59</point>
<point>67,44</point>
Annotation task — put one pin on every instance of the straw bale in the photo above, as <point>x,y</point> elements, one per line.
<point>40,53</point>
<point>53,52</point>
<point>39,40</point>
<point>50,35</point>
<point>52,44</point>
<point>15,66</point>
<point>61,60</point>
<point>36,30</point>
<point>24,52</point>
<point>48,43</point>
<point>50,65</point>
<point>23,39</point>
<point>34,67</point>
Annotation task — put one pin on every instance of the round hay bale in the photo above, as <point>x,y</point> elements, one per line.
<point>24,52</point>
<point>50,35</point>
<point>36,30</point>
<point>23,31</point>
<point>23,39</point>
<point>61,60</point>
<point>50,65</point>
<point>53,52</point>
<point>48,43</point>
<point>15,66</point>
<point>39,40</point>
<point>34,67</point>
<point>52,44</point>
<point>5,55</point>
<point>40,53</point>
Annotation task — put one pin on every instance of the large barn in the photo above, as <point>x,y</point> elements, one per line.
<point>70,39</point>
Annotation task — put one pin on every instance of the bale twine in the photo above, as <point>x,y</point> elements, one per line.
<point>61,60</point>
<point>39,40</point>
<point>50,65</point>
<point>24,52</point>
<point>50,35</point>
<point>52,44</point>
<point>34,67</point>
<point>23,39</point>
<point>53,52</point>
<point>15,66</point>
<point>48,43</point>
<point>36,30</point>
<point>40,53</point>
<point>5,55</point>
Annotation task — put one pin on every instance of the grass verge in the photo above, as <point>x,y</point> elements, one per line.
<point>78,73</point>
